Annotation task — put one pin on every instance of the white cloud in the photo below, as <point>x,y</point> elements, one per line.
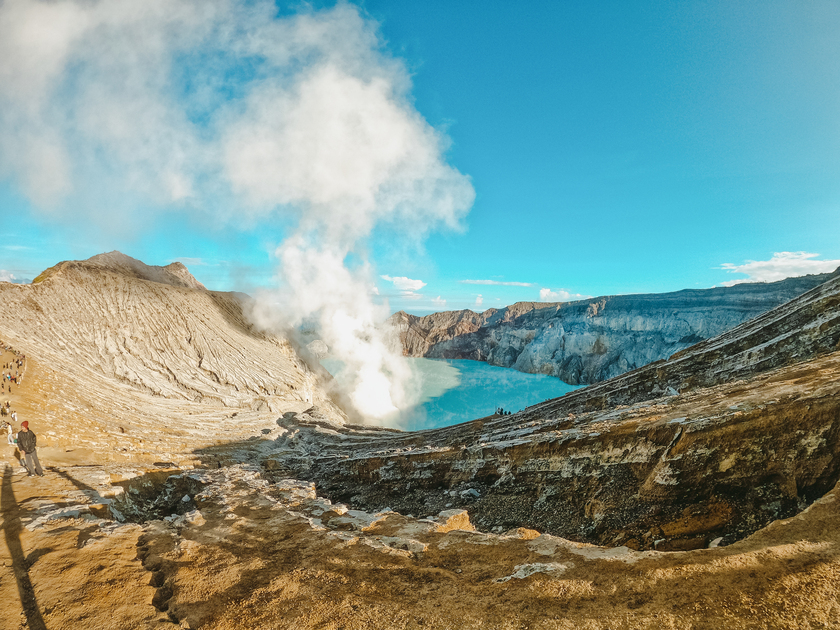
<point>479,300</point>
<point>8,276</point>
<point>225,108</point>
<point>401,283</point>
<point>439,303</point>
<point>498,283</point>
<point>782,265</point>
<point>102,102</point>
<point>561,295</point>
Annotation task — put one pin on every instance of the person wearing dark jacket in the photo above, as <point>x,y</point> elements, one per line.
<point>27,442</point>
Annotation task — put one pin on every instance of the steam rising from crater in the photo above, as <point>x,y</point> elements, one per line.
<point>223,108</point>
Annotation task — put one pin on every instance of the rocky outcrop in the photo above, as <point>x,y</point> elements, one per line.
<point>299,520</point>
<point>589,341</point>
<point>118,346</point>
<point>243,550</point>
<point>710,445</point>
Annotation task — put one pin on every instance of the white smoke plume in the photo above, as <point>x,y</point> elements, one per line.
<point>316,282</point>
<point>222,107</point>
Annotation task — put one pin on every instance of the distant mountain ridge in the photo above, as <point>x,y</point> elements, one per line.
<point>174,274</point>
<point>589,341</point>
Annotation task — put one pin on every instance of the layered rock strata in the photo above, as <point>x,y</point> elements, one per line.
<point>751,435</point>
<point>710,445</point>
<point>144,363</point>
<point>589,341</point>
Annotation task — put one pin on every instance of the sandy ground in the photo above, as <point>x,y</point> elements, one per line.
<point>288,576</point>
<point>253,560</point>
<point>51,578</point>
<point>252,563</point>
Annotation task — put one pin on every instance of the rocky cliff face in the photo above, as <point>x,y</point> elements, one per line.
<point>698,450</point>
<point>592,340</point>
<point>714,443</point>
<point>129,348</point>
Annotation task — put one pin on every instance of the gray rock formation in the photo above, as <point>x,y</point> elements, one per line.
<point>592,340</point>
<point>713,443</point>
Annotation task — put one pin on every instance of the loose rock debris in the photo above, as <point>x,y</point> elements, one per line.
<point>199,485</point>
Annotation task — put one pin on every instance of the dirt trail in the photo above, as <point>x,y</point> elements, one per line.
<point>68,574</point>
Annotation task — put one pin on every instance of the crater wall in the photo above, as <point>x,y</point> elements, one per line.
<point>592,340</point>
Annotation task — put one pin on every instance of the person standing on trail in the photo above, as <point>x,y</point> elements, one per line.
<point>27,443</point>
<point>10,433</point>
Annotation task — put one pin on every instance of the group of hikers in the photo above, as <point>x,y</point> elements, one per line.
<point>23,440</point>
<point>14,373</point>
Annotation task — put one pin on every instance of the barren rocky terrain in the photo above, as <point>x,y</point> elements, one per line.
<point>592,340</point>
<point>199,476</point>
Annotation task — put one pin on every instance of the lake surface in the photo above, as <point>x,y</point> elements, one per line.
<point>453,391</point>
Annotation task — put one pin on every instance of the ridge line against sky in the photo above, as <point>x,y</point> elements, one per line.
<point>624,148</point>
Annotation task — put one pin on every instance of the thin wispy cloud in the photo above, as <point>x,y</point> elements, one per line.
<point>479,300</point>
<point>401,283</point>
<point>439,302</point>
<point>782,265</point>
<point>561,295</point>
<point>191,262</point>
<point>407,287</point>
<point>498,283</point>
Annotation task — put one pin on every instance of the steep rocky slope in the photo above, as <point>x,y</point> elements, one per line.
<point>592,340</point>
<point>119,348</point>
<point>282,515</point>
<point>714,443</point>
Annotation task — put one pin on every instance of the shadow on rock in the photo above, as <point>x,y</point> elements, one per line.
<point>20,562</point>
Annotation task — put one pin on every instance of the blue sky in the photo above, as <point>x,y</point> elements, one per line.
<point>619,148</point>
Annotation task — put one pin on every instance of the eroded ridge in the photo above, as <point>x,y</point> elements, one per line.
<point>271,509</point>
<point>592,340</point>
<point>133,363</point>
<point>752,437</point>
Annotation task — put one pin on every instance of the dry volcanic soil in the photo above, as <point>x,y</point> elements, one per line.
<point>200,474</point>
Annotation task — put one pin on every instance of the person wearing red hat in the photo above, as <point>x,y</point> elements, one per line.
<point>26,443</point>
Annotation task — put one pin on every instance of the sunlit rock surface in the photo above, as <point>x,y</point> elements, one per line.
<point>145,362</point>
<point>714,443</point>
<point>176,500</point>
<point>592,340</point>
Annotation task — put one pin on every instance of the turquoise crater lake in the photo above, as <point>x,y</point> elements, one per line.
<point>453,391</point>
